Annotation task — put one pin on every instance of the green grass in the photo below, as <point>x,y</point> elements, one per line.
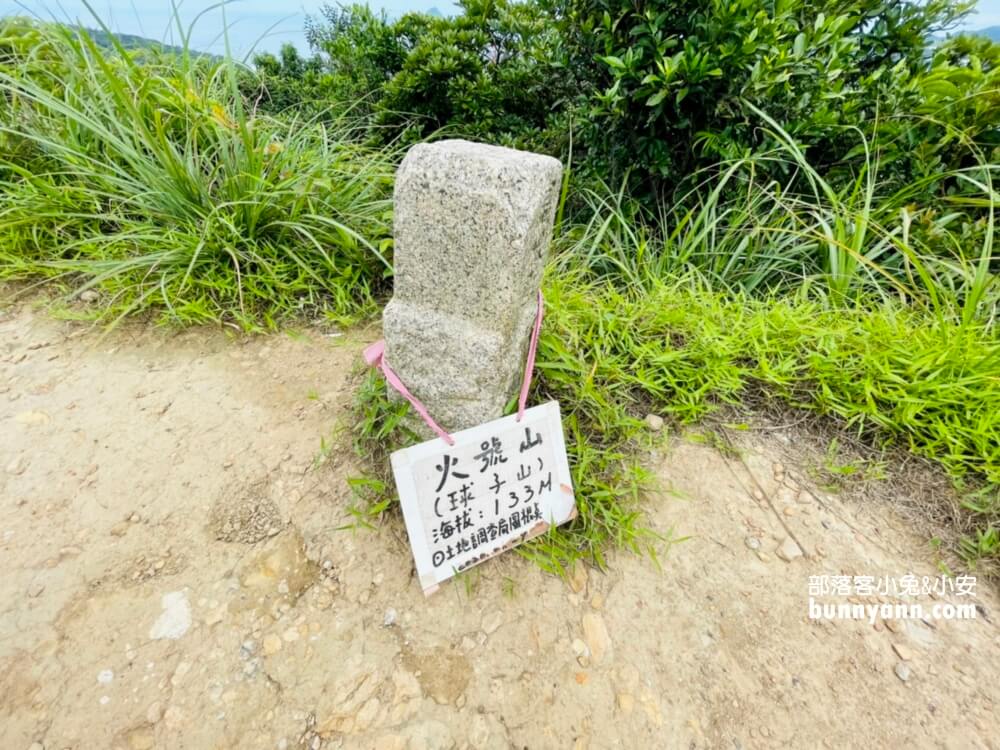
<point>847,243</point>
<point>154,183</point>
<point>889,374</point>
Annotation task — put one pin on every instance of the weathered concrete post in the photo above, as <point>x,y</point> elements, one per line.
<point>472,226</point>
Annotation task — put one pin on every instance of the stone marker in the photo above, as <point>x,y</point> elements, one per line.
<point>472,226</point>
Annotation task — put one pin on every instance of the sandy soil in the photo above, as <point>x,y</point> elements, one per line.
<point>174,577</point>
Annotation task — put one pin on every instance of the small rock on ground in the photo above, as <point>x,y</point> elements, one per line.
<point>902,651</point>
<point>788,550</point>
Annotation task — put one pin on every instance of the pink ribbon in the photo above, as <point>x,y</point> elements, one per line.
<point>529,366</point>
<point>375,357</point>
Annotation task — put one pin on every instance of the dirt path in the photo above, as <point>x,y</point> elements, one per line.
<point>126,623</point>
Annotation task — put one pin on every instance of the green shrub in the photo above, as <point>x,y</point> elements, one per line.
<point>287,83</point>
<point>676,79</point>
<point>491,72</point>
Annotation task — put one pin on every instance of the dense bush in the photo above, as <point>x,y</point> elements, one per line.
<point>676,79</point>
<point>287,82</point>
<point>661,90</point>
<point>491,72</point>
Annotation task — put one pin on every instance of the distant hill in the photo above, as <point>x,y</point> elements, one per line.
<point>993,32</point>
<point>133,42</point>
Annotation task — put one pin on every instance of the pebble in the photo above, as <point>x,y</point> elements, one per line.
<point>578,577</point>
<point>154,712</point>
<point>323,600</point>
<point>120,528</point>
<point>291,635</point>
<point>32,417</point>
<point>182,669</point>
<point>105,676</point>
<point>896,626</point>
<point>35,589</point>
<point>763,556</point>
<point>271,644</point>
<point>175,619</point>
<point>626,703</point>
<point>902,671</point>
<point>654,422</point>
<point>788,550</point>
<point>752,542</point>
<point>89,296</point>
<point>17,467</point>
<point>173,716</point>
<point>758,496</point>
<point>790,511</point>
<point>595,634</point>
<point>903,652</point>
<point>389,618</point>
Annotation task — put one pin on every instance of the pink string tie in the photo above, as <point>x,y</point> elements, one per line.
<point>375,357</point>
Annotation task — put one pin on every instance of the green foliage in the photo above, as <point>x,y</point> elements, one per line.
<point>676,80</point>
<point>285,83</point>
<point>741,230</point>
<point>491,72</point>
<point>885,372</point>
<point>151,181</point>
<point>950,115</point>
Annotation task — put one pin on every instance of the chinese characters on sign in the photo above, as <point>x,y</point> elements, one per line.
<point>502,483</point>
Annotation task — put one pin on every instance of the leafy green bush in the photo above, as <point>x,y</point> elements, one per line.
<point>492,72</point>
<point>948,117</point>
<point>675,79</point>
<point>286,83</point>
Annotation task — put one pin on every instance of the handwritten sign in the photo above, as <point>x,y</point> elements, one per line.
<point>500,484</point>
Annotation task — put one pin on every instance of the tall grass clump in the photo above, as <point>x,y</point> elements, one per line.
<point>850,240</point>
<point>145,176</point>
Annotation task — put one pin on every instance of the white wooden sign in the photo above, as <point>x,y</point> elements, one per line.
<point>502,483</point>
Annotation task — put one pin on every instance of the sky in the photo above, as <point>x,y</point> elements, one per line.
<point>252,20</point>
<point>276,21</point>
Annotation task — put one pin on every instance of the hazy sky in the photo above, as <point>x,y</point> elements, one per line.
<point>250,19</point>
